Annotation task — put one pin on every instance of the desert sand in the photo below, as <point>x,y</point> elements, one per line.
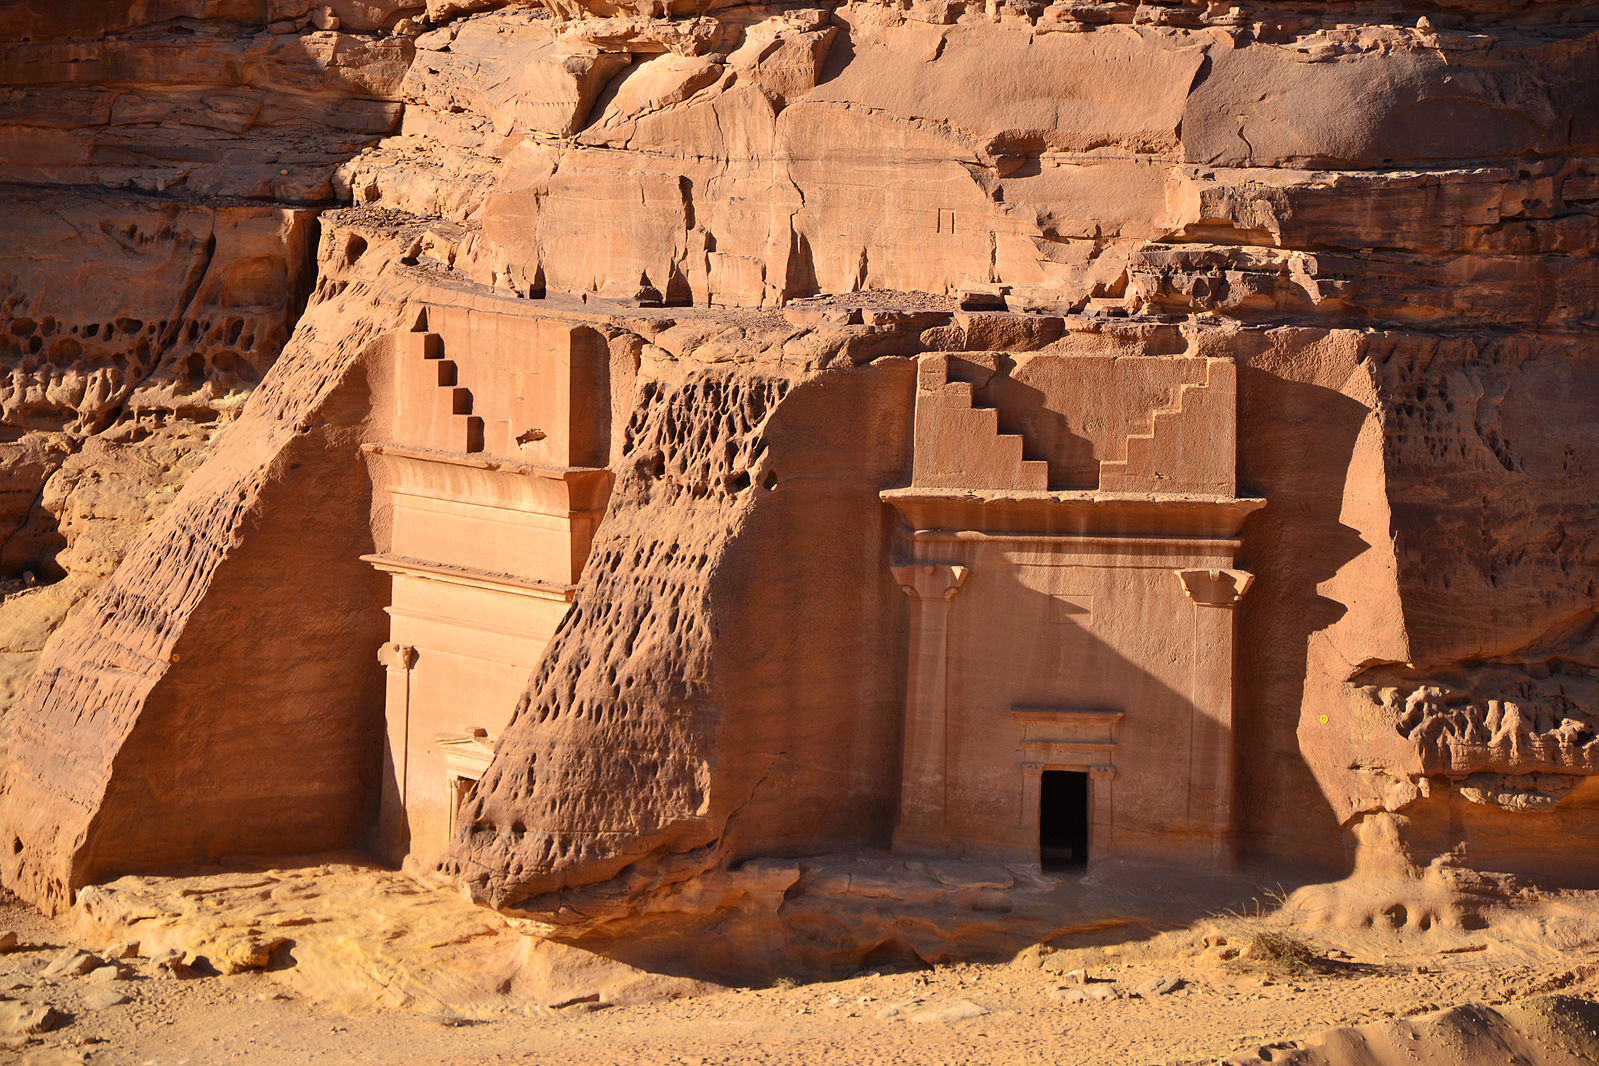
<point>376,970</point>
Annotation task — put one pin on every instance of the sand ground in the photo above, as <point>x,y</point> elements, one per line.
<point>1005,1013</point>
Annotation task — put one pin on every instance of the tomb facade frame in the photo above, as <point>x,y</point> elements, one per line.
<point>1089,630</point>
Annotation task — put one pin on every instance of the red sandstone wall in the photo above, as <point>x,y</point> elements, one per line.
<point>1385,213</point>
<point>161,166</point>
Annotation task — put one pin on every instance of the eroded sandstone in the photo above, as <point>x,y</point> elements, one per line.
<point>780,430</point>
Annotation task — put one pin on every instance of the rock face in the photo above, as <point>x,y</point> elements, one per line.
<point>162,251</point>
<point>118,676</point>
<point>705,537</point>
<point>1059,434</point>
<point>360,938</point>
<point>1544,1029</point>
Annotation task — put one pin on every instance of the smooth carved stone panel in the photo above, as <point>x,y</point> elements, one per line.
<point>1103,601</point>
<point>482,548</point>
<point>1139,655</point>
<point>1032,422</point>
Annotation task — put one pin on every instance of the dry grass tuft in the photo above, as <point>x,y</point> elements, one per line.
<point>1282,954</point>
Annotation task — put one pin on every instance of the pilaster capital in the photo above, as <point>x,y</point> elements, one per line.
<point>1215,588</point>
<point>397,657</point>
<point>929,581</point>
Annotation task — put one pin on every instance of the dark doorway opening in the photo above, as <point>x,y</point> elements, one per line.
<point>1063,820</point>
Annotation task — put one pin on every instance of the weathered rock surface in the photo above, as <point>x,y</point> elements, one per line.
<point>28,1018</point>
<point>349,935</point>
<point>304,424</point>
<point>207,296</point>
<point>204,98</point>
<point>87,515</point>
<point>1384,216</point>
<point>1546,1029</point>
<point>156,161</point>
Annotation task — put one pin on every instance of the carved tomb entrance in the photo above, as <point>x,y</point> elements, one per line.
<point>1069,691</point>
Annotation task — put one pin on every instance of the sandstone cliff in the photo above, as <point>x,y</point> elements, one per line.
<point>162,163</point>
<point>1384,215</point>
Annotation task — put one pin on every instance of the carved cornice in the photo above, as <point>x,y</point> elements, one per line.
<point>563,491</point>
<point>1073,513</point>
<point>471,577</point>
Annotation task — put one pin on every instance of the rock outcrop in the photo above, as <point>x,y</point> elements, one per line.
<point>74,807</point>
<point>1546,1029</point>
<point>1297,299</point>
<point>161,164</point>
<point>714,526</point>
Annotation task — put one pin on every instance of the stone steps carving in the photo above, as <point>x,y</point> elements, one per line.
<point>447,421</point>
<point>1009,448</point>
<point>959,443</point>
<point>1159,459</point>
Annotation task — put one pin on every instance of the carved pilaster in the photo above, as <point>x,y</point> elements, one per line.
<point>1210,775</point>
<point>397,660</point>
<point>923,781</point>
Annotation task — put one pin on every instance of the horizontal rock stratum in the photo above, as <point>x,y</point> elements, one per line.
<point>590,449</point>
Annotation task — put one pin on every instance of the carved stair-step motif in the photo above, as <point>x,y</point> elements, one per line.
<point>959,444</point>
<point>1182,445</point>
<point>435,409</point>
